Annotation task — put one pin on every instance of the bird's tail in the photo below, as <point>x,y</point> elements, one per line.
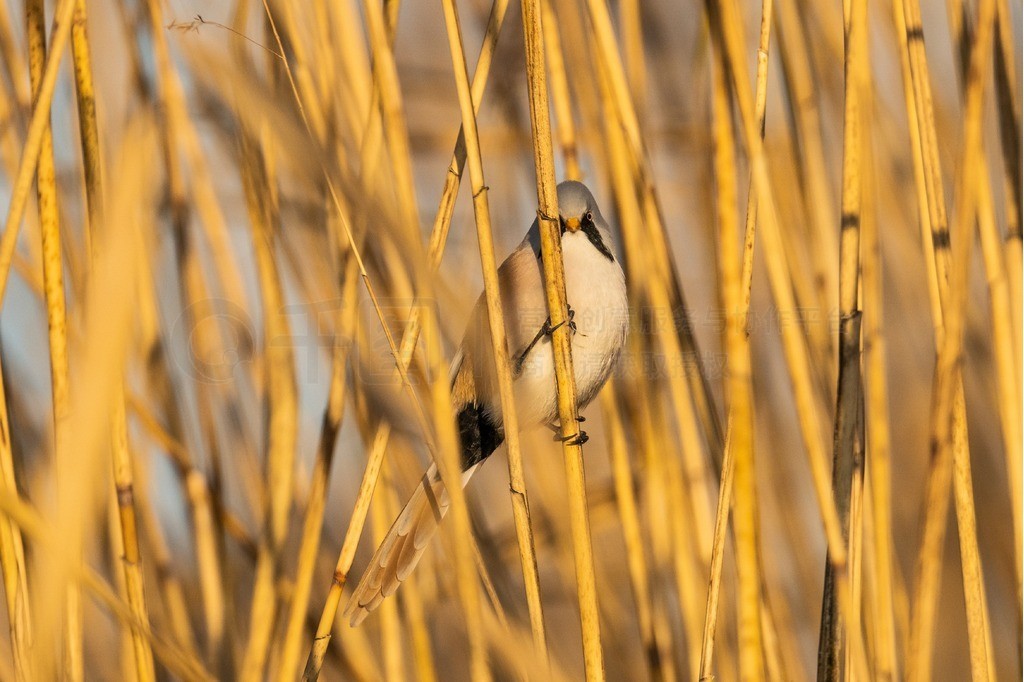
<point>404,544</point>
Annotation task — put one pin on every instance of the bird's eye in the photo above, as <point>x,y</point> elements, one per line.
<point>589,217</point>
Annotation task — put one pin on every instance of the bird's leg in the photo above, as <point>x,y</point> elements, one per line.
<point>545,330</point>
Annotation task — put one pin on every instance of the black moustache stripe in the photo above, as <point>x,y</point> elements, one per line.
<point>590,229</point>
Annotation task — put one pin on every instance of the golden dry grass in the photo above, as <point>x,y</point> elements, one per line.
<point>236,263</point>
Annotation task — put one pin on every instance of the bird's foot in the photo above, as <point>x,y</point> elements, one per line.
<point>548,329</point>
<point>573,439</point>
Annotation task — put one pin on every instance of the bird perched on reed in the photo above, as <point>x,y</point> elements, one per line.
<point>595,288</point>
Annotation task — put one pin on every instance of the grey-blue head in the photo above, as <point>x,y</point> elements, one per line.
<point>579,214</point>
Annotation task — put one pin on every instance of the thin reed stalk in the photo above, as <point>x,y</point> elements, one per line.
<point>950,456</point>
<point>131,563</point>
<point>35,139</point>
<point>847,463</point>
<point>878,448</point>
<point>554,279</point>
<point>740,390</point>
<point>816,191</point>
<point>565,127</point>
<point>87,126</point>
<point>631,19</point>
<point>56,315</point>
<point>499,338</point>
<point>12,557</point>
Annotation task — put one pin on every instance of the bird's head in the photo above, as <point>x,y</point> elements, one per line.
<point>578,214</point>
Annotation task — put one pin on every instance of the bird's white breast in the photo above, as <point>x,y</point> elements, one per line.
<point>596,291</point>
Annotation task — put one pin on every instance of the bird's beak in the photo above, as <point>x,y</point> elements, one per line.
<point>572,224</point>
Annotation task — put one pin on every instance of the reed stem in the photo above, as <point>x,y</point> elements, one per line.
<point>554,280</point>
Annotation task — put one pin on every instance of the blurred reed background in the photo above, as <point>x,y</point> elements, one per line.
<point>216,391</point>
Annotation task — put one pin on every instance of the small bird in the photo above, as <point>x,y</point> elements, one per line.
<point>595,289</point>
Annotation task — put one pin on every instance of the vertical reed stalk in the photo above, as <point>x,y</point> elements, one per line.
<point>554,277</point>
<point>561,97</point>
<point>739,436</point>
<point>499,339</point>
<point>631,18</point>
<point>87,126</point>
<point>131,563</point>
<point>739,386</point>
<point>847,463</point>
<point>56,315</point>
<point>816,190</point>
<point>690,392</point>
<point>12,557</point>
<point>35,139</point>
<point>877,436</point>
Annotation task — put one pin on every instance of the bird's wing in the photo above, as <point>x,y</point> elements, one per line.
<point>525,310</point>
<point>404,544</point>
<point>522,296</point>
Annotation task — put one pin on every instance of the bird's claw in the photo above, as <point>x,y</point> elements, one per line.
<point>548,329</point>
<point>573,439</point>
